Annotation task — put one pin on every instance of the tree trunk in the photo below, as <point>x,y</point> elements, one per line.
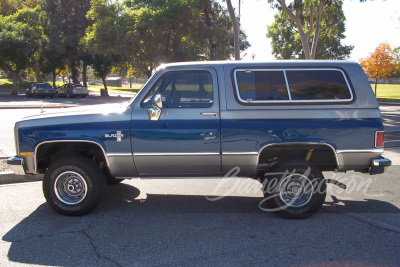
<point>74,73</point>
<point>376,84</point>
<point>317,31</point>
<point>235,29</point>
<point>15,76</point>
<point>105,86</point>
<point>53,73</point>
<point>38,75</point>
<point>303,36</point>
<point>84,73</point>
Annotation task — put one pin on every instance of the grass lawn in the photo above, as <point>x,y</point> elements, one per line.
<point>135,88</point>
<point>387,92</point>
<point>6,86</point>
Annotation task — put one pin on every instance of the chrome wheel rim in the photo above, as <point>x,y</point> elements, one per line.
<point>296,190</point>
<point>70,188</point>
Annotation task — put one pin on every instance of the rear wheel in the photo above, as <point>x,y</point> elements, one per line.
<point>73,185</point>
<point>295,189</point>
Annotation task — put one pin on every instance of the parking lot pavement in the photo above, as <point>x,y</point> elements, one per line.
<point>171,222</point>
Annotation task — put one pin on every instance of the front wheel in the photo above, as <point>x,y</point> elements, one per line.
<point>295,189</point>
<point>73,185</point>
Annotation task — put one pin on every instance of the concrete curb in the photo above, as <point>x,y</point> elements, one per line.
<point>389,103</point>
<point>9,177</point>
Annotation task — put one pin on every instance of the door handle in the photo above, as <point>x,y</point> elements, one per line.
<point>214,114</point>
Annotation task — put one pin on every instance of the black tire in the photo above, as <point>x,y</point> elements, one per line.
<point>111,180</point>
<point>294,190</point>
<point>73,185</point>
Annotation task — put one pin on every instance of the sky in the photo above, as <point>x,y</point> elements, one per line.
<point>367,25</point>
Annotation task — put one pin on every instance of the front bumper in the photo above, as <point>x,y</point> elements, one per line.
<point>16,164</point>
<point>378,165</point>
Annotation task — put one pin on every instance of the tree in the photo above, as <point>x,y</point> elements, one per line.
<point>147,33</point>
<point>396,61</point>
<point>297,11</point>
<point>235,26</point>
<point>379,64</point>
<point>18,44</point>
<point>65,26</point>
<point>102,65</point>
<point>10,7</point>
<point>286,41</point>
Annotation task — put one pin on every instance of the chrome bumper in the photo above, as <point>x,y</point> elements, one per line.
<point>378,165</point>
<point>16,165</point>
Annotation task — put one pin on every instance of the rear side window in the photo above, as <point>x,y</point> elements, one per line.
<point>317,85</point>
<point>292,85</point>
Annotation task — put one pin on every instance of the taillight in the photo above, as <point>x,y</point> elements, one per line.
<point>379,138</point>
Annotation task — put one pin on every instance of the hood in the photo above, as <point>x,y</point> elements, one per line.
<point>86,114</point>
<point>79,111</point>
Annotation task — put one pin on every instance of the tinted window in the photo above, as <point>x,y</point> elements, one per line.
<point>185,89</point>
<point>44,85</point>
<point>261,85</point>
<point>317,85</point>
<point>292,85</point>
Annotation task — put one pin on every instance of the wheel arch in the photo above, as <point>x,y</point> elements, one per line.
<point>48,151</point>
<point>322,155</point>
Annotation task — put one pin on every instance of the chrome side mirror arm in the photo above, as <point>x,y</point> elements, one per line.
<point>155,111</point>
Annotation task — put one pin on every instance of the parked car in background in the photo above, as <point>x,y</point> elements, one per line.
<point>72,90</point>
<point>40,90</point>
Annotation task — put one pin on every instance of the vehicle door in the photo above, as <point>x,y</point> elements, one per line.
<point>61,90</point>
<point>176,125</point>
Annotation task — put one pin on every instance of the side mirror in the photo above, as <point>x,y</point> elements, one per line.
<point>155,111</point>
<point>157,101</point>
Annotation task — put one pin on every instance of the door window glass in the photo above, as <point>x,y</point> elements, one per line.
<point>183,89</point>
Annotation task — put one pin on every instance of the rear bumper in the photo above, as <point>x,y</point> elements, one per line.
<point>378,165</point>
<point>46,94</point>
<point>79,93</point>
<point>16,164</point>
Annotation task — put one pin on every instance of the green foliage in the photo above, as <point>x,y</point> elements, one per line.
<point>64,25</point>
<point>10,7</point>
<point>286,42</point>
<point>148,33</point>
<point>19,41</point>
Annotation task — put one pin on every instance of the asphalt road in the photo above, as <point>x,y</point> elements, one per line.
<point>172,222</point>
